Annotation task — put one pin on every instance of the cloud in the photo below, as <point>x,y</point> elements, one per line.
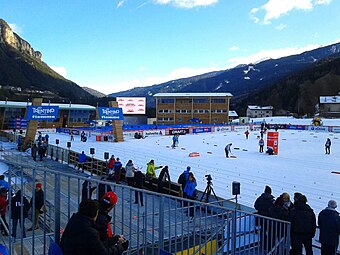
<point>234,48</point>
<point>269,54</point>
<point>121,3</point>
<point>16,29</point>
<point>281,26</point>
<point>274,9</point>
<point>187,4</point>
<point>60,70</point>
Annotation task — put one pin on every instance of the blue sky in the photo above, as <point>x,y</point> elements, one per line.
<point>114,45</point>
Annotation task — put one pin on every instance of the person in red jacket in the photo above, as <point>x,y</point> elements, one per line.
<point>247,134</point>
<point>3,207</point>
<point>111,164</point>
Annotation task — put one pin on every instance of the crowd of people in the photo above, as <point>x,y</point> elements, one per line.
<point>303,222</point>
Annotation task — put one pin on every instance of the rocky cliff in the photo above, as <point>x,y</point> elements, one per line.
<point>12,39</point>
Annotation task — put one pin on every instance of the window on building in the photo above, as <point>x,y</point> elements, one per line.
<point>218,101</point>
<point>166,101</point>
<point>164,111</point>
<point>179,119</point>
<point>201,100</point>
<point>183,101</point>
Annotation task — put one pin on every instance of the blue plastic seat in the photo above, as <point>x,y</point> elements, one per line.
<point>3,250</point>
<point>54,248</point>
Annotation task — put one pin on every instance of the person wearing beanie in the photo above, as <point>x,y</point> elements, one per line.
<point>263,204</point>
<point>183,178</point>
<point>103,221</point>
<point>150,170</point>
<point>81,236</point>
<point>303,226</point>
<point>37,201</point>
<point>329,224</point>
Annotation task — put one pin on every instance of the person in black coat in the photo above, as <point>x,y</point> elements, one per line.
<point>16,216</point>
<point>34,150</point>
<point>38,201</point>
<point>163,177</point>
<point>87,190</point>
<point>138,179</point>
<point>81,236</point>
<point>329,224</point>
<point>103,188</point>
<point>303,226</point>
<point>263,204</point>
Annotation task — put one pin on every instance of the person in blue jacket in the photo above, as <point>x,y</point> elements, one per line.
<point>190,193</point>
<point>329,224</point>
<point>81,161</point>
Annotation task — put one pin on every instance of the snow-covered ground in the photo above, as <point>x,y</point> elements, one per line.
<point>300,166</point>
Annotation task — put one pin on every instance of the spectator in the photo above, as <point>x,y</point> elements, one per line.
<point>81,161</point>
<point>183,178</point>
<point>3,183</point>
<point>34,150</point>
<point>81,236</point>
<point>19,201</point>
<point>329,224</point>
<point>303,226</point>
<point>41,151</point>
<point>130,171</point>
<point>103,188</point>
<point>150,170</point>
<point>111,164</point>
<point>3,209</point>
<point>103,222</point>
<point>118,170</point>
<point>138,183</point>
<point>270,151</point>
<point>227,150</point>
<point>163,177</point>
<point>87,190</point>
<point>38,202</point>
<point>46,138</point>
<point>190,193</point>
<point>263,204</point>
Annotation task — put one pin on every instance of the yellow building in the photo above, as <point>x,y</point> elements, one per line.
<point>188,108</point>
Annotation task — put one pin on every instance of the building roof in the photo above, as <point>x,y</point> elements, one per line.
<point>233,114</point>
<point>12,104</point>
<point>256,107</point>
<point>193,95</point>
<point>330,99</point>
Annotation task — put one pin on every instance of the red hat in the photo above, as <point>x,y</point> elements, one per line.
<point>38,185</point>
<point>110,198</point>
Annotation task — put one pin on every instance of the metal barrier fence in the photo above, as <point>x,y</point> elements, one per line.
<point>173,224</point>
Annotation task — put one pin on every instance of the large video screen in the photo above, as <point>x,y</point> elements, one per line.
<point>132,105</point>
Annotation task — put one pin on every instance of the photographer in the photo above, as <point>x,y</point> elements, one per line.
<point>81,236</point>
<point>107,203</point>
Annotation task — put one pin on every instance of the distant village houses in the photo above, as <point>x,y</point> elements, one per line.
<point>255,111</point>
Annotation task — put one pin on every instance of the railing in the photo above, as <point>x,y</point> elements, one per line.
<point>164,222</point>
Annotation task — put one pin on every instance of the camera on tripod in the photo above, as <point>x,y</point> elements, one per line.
<point>209,179</point>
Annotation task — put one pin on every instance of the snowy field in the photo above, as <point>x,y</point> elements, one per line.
<point>300,166</point>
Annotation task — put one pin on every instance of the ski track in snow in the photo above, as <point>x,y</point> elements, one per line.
<point>299,167</point>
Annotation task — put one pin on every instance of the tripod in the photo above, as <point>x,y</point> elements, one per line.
<point>207,192</point>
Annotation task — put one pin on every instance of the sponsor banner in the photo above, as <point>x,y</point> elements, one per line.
<point>132,105</point>
<point>46,130</point>
<point>318,129</point>
<point>179,131</point>
<point>336,129</point>
<point>110,113</point>
<point>201,130</point>
<point>153,132</point>
<point>257,127</point>
<point>278,126</point>
<point>296,127</point>
<point>240,128</point>
<point>42,112</point>
<point>222,129</point>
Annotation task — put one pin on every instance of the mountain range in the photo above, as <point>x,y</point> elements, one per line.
<point>292,83</point>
